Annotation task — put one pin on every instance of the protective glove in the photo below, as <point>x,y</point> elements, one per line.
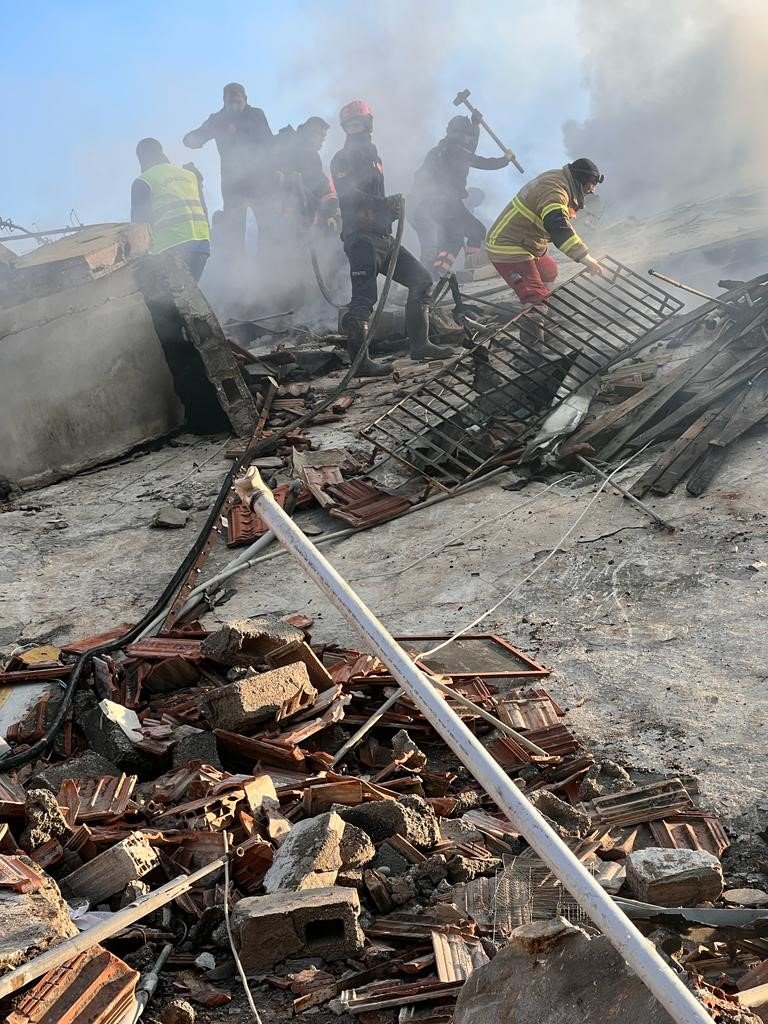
<point>593,266</point>
<point>510,156</point>
<point>332,224</point>
<point>395,205</point>
<point>477,117</point>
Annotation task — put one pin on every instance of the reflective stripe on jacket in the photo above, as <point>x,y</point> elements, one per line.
<point>178,215</point>
<point>540,213</point>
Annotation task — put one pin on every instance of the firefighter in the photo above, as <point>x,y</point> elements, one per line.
<point>244,139</point>
<point>299,153</point>
<point>170,199</point>
<point>539,214</point>
<point>438,212</point>
<point>367,214</point>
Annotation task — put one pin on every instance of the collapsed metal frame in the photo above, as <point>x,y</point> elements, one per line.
<point>493,396</point>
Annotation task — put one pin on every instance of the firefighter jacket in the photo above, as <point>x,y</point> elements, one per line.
<point>358,175</point>
<point>446,166</point>
<point>177,212</point>
<point>540,213</point>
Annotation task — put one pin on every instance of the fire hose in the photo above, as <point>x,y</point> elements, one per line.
<point>37,749</point>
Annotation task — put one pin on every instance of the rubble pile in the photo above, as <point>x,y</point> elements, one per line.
<point>367,875</point>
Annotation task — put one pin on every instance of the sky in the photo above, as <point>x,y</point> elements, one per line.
<point>667,96</point>
<point>84,81</point>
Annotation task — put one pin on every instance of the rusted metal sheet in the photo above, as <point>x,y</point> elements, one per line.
<point>635,806</point>
<point>693,830</point>
<point>155,648</point>
<point>18,876</point>
<point>94,986</point>
<point>456,955</point>
<point>474,654</point>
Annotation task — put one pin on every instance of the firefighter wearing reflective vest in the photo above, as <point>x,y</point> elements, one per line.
<point>541,213</point>
<point>169,198</point>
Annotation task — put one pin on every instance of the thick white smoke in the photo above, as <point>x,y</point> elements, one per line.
<point>677,96</point>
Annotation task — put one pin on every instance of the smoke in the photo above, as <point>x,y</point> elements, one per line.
<point>677,93</point>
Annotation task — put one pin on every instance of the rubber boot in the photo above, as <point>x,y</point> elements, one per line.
<point>356,331</point>
<point>417,329</point>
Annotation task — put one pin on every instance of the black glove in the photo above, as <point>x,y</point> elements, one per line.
<point>477,117</point>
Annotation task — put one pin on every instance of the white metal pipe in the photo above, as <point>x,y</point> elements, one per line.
<point>640,954</point>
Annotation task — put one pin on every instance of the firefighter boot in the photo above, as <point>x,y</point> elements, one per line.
<point>417,329</point>
<point>356,331</point>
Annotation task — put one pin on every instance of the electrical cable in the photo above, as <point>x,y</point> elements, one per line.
<point>37,749</point>
<point>536,569</point>
<point>231,937</point>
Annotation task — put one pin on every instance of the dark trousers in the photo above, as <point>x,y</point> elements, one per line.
<point>368,257</point>
<point>443,226</point>
<point>194,256</point>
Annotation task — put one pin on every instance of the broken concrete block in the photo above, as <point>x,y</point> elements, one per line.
<point>178,1011</point>
<point>108,739</point>
<point>674,878</point>
<point>199,746</point>
<point>257,698</point>
<point>356,847</point>
<point>410,817</point>
<point>309,857</point>
<point>169,518</point>
<point>249,641</point>
<point>407,753</point>
<point>112,870</point>
<point>44,820</point>
<point>570,822</point>
<point>319,923</point>
<point>554,973</point>
<point>89,765</point>
<point>31,922</point>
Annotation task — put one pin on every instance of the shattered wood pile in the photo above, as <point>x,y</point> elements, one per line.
<point>371,876</point>
<point>696,408</point>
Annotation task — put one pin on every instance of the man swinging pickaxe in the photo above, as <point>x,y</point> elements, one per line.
<point>462,97</point>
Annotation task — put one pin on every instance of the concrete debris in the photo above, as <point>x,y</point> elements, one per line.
<point>112,870</point>
<point>31,922</point>
<point>169,518</point>
<point>178,1011</point>
<point>309,857</point>
<point>674,878</point>
<point>410,817</point>
<point>249,641</point>
<point>353,867</point>
<point>746,897</point>
<point>44,820</point>
<point>243,705</point>
<point>322,922</point>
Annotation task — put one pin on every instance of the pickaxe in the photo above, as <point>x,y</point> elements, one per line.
<point>462,97</point>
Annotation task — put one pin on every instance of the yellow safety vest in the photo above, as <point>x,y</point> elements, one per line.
<point>177,212</point>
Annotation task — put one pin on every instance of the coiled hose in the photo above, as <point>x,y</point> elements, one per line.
<point>40,747</point>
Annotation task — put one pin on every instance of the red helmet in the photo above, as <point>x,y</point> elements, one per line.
<point>357,108</point>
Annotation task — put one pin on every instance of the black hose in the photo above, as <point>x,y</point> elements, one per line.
<point>42,745</point>
<point>302,194</point>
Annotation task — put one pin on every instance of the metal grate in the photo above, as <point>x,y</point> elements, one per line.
<point>527,890</point>
<point>491,398</point>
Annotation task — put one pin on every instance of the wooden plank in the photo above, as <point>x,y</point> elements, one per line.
<point>646,481</point>
<point>690,368</point>
<point>733,378</point>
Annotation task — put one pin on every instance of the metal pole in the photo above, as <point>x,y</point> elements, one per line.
<point>687,288</point>
<point>640,954</point>
<point>627,494</point>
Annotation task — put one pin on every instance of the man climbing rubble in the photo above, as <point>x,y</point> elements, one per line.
<point>170,199</point>
<point>541,213</point>
<point>438,211</point>
<point>244,139</point>
<point>367,214</point>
